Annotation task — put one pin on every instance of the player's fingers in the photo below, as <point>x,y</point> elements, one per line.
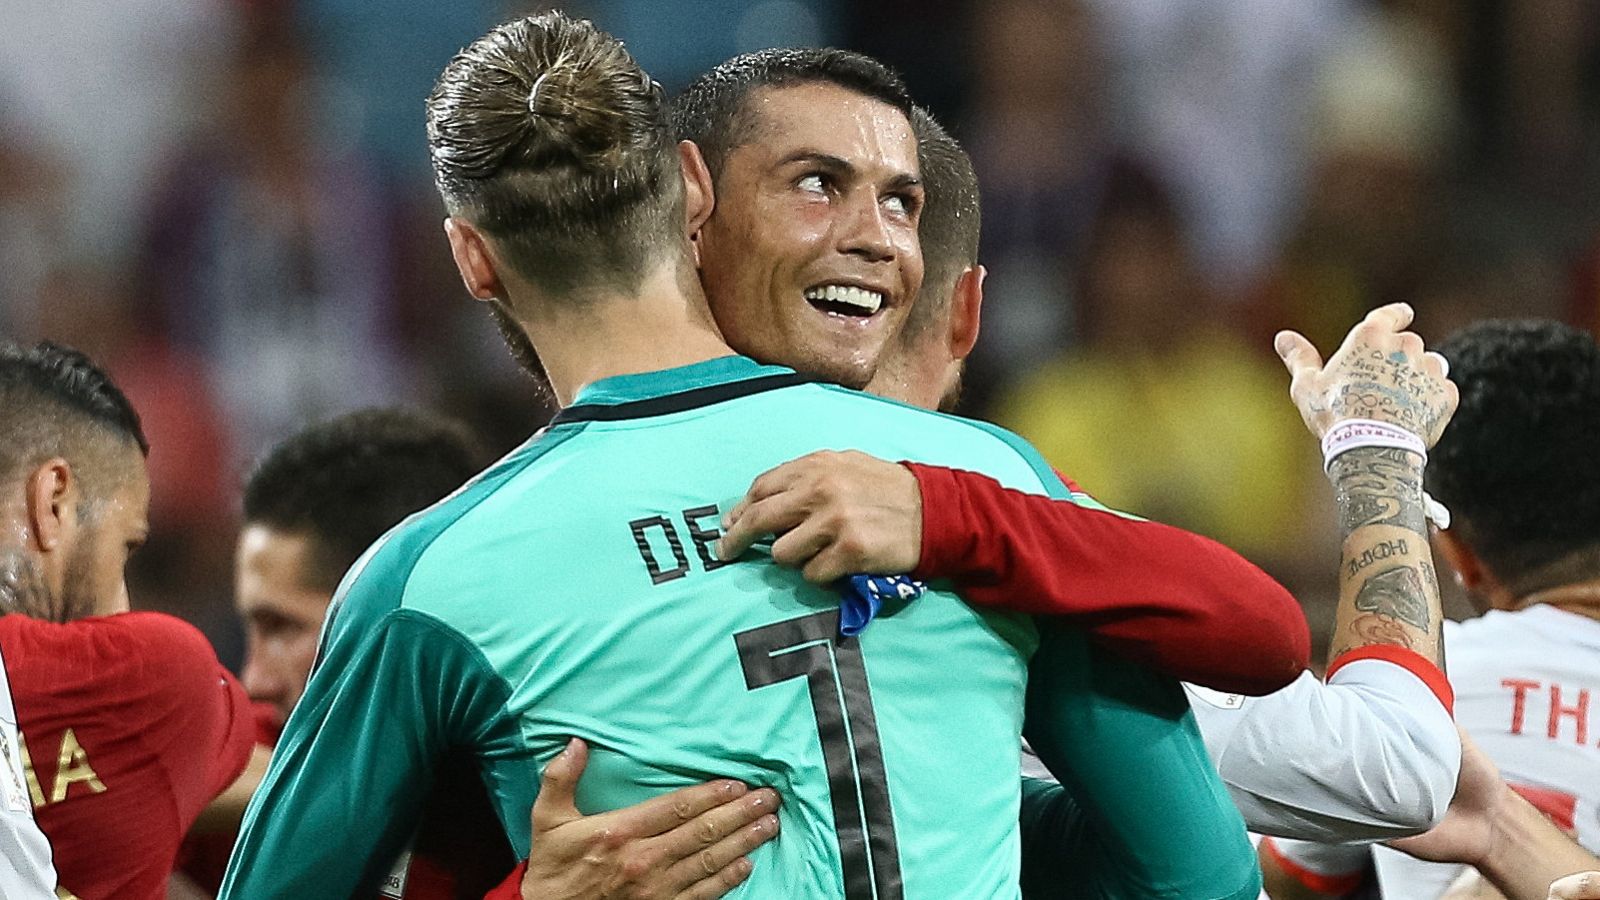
<point>773,481</point>
<point>772,515</point>
<point>718,885</point>
<point>684,843</point>
<point>1582,886</point>
<point>662,815</point>
<point>558,787</point>
<point>1440,365</point>
<point>1298,354</point>
<point>831,563</point>
<point>707,861</point>
<point>1411,344</point>
<point>1393,317</point>
<point>800,544</point>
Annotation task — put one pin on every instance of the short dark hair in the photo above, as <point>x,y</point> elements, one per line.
<point>346,481</point>
<point>1519,464</point>
<point>711,111</point>
<point>547,135</point>
<point>55,402</point>
<point>951,221</point>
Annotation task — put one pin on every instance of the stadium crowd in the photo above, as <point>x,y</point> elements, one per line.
<point>229,206</point>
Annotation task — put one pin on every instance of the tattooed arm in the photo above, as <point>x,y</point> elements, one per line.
<point>1388,592</point>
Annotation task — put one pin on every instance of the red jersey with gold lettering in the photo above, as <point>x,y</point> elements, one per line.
<point>130,727</point>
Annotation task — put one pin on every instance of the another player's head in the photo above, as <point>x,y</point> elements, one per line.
<point>1519,466</point>
<point>922,364</point>
<point>76,493</point>
<point>552,151</point>
<point>810,257</point>
<point>313,504</point>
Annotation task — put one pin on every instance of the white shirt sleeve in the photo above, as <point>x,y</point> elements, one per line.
<point>26,871</point>
<point>1369,756</point>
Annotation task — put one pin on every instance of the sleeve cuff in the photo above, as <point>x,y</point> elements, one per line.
<point>1315,881</point>
<point>1413,662</point>
<point>943,537</point>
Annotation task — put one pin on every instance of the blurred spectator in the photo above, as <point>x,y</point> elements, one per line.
<point>377,62</point>
<point>1213,94</point>
<point>269,256</point>
<point>1163,411</point>
<point>106,88</point>
<point>1382,128</point>
<point>671,40</point>
<point>33,207</point>
<point>1040,145</point>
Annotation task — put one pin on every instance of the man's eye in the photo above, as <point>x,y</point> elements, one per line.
<point>897,203</point>
<point>812,184</point>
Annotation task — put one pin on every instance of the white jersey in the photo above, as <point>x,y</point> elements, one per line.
<point>26,872</point>
<point>1372,754</point>
<point>1527,689</point>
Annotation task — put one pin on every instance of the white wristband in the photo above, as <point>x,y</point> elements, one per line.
<point>1353,433</point>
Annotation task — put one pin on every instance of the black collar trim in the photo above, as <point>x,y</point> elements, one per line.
<point>679,402</point>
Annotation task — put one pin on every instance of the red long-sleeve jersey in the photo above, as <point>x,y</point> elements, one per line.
<point>1177,602</point>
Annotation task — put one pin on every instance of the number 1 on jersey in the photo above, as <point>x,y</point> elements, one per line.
<point>810,647</point>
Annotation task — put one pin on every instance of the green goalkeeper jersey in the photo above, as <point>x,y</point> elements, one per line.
<point>572,590</point>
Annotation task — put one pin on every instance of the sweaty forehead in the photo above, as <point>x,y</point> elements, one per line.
<point>825,118</point>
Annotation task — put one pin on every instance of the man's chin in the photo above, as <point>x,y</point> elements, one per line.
<point>852,374</point>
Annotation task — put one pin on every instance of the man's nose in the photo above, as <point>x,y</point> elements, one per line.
<point>865,231</point>
<point>259,681</point>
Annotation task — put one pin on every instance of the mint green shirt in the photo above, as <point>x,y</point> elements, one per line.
<point>571,590</point>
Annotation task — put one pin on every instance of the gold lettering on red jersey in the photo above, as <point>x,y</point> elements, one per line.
<point>72,767</point>
<point>35,792</point>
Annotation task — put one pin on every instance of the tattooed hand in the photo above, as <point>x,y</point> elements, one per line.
<point>1380,372</point>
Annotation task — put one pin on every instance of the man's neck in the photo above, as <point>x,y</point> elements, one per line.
<point>666,323</point>
<point>22,586</point>
<point>1581,598</point>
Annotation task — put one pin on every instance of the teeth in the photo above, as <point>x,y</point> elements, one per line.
<point>860,298</point>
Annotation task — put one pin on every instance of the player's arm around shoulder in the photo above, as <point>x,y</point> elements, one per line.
<point>1158,595</point>
<point>1123,743</point>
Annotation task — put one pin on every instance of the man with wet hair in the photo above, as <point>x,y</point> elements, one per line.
<point>790,280</point>
<point>675,665</point>
<point>131,724</point>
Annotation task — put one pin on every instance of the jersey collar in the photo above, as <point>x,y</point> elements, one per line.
<point>675,390</point>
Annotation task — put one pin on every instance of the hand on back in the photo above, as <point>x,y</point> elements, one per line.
<point>686,845</point>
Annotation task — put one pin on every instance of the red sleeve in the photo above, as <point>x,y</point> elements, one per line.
<point>511,888</point>
<point>1182,604</point>
<point>194,707</point>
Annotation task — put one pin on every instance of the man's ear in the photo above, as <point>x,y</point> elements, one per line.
<point>51,495</point>
<point>473,260</point>
<point>966,311</point>
<point>698,195</point>
<point>1469,569</point>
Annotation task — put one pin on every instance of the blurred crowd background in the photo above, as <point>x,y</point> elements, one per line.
<point>228,203</point>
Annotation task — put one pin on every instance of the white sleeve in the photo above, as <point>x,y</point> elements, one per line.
<point>1369,756</point>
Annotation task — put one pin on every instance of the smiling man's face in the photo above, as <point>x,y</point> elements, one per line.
<point>811,258</point>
